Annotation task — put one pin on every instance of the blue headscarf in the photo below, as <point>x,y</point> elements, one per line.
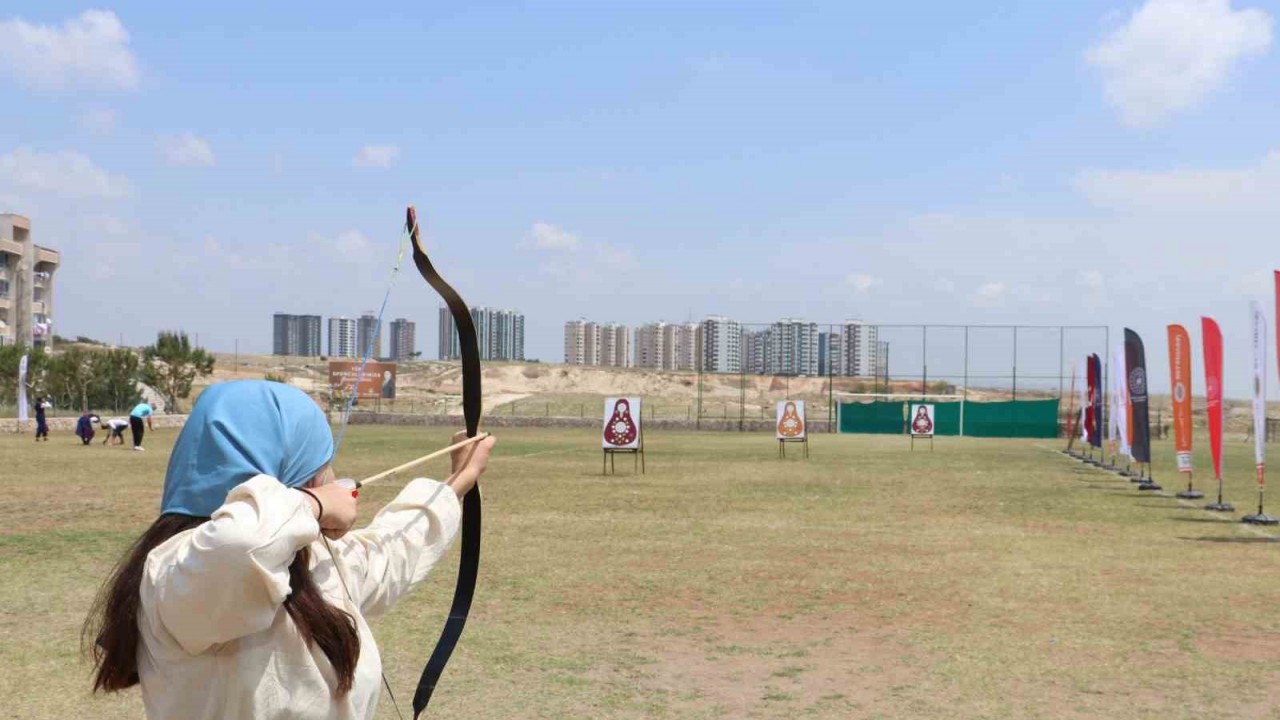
<point>238,430</point>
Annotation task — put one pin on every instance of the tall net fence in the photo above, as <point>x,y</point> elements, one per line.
<point>726,375</point>
<point>827,365</point>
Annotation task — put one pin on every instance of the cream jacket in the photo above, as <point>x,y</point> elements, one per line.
<point>217,642</point>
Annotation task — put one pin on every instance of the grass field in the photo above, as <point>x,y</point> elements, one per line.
<point>987,579</point>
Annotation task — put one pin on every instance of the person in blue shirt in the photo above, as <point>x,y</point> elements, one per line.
<point>140,411</point>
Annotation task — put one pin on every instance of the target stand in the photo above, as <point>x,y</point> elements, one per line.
<point>922,438</point>
<point>637,459</point>
<point>783,442</point>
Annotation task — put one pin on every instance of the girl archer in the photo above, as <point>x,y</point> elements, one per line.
<point>230,604</point>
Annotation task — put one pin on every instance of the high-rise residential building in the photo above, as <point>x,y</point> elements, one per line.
<point>721,344</point>
<point>615,345</point>
<point>575,342</point>
<point>403,346</point>
<point>681,346</point>
<point>860,345</point>
<point>651,345</point>
<point>342,338</point>
<point>589,343</point>
<point>26,285</point>
<point>499,334</point>
<point>792,348</point>
<point>296,335</point>
<point>447,336</point>
<point>369,336</point>
<point>755,351</point>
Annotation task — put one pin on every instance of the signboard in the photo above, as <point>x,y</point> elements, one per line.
<point>791,420</point>
<point>921,420</point>
<point>621,423</point>
<point>378,381</point>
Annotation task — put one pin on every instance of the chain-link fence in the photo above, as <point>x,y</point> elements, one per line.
<point>824,364</point>
<point>724,374</point>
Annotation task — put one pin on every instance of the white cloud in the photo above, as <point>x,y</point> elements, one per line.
<point>186,150</point>
<point>550,237</point>
<point>862,282</point>
<point>91,50</point>
<point>353,246</point>
<point>1095,288</point>
<point>66,172</point>
<point>99,121</point>
<point>1171,54</point>
<point>1250,189</point>
<point>376,156</point>
<point>99,225</point>
<point>990,295</point>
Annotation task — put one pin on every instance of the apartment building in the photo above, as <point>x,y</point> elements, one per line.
<point>26,285</point>
<point>295,335</point>
<point>403,345</point>
<point>721,344</point>
<point>342,338</point>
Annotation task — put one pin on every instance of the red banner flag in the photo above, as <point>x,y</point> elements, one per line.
<point>1213,389</point>
<point>1180,379</point>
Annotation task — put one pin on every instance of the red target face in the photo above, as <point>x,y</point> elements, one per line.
<point>620,429</point>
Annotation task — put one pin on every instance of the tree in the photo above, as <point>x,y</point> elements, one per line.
<point>172,365</point>
<point>116,374</point>
<point>10,357</point>
<point>70,377</point>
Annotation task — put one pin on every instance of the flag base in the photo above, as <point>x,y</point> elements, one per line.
<point>1190,495</point>
<point>1260,519</point>
<point>1220,507</point>
<point>1149,485</point>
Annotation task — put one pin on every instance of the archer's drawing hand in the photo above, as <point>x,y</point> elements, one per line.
<point>469,463</point>
<point>340,509</point>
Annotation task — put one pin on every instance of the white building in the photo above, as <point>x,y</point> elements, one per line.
<point>26,285</point>
<point>860,351</point>
<point>651,345</point>
<point>499,334</point>
<point>792,348</point>
<point>342,337</point>
<point>721,344</point>
<point>615,345</point>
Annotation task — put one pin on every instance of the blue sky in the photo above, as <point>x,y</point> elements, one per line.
<point>1060,162</point>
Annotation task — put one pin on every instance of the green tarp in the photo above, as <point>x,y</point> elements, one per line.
<point>1010,419</point>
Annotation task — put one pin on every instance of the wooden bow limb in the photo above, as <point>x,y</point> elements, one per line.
<point>424,458</point>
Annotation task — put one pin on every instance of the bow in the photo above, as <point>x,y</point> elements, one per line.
<point>469,560</point>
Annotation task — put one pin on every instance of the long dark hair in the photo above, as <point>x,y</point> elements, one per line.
<point>113,619</point>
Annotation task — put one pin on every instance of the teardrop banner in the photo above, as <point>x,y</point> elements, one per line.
<point>23,416</point>
<point>1260,414</point>
<point>1180,391</point>
<point>1211,337</point>
<point>792,426</point>
<point>1123,412</point>
<point>1135,358</point>
<point>622,431</point>
<point>1071,415</point>
<point>1082,425</point>
<point>1095,370</point>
